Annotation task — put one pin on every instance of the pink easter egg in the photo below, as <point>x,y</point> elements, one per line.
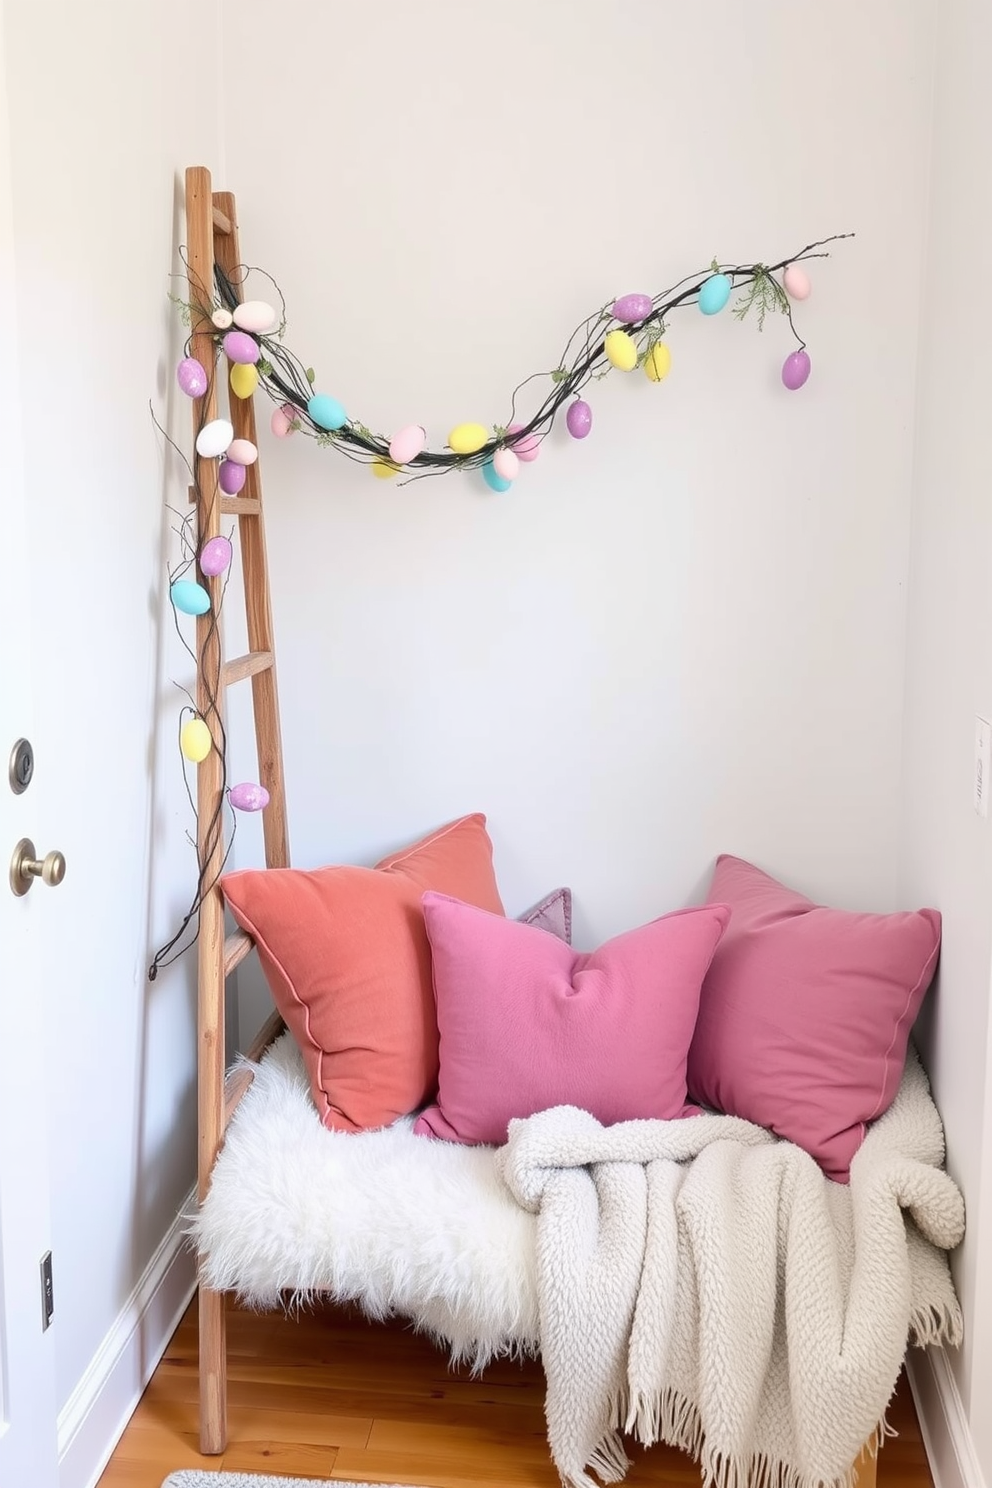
<point>191,377</point>
<point>283,419</point>
<point>231,476</point>
<point>242,452</point>
<point>241,348</point>
<point>215,556</point>
<point>506,463</point>
<point>248,796</point>
<point>525,449</point>
<point>407,444</point>
<point>579,418</point>
<point>796,281</point>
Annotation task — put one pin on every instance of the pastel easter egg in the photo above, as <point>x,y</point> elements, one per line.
<point>407,443</point>
<point>525,449</point>
<point>506,463</point>
<point>631,307</point>
<point>189,597</point>
<point>191,377</point>
<point>578,419</point>
<point>326,412</point>
<point>222,318</point>
<point>215,556</point>
<point>658,362</point>
<point>194,740</point>
<point>214,438</point>
<point>621,350</point>
<point>796,369</point>
<point>796,282</point>
<point>242,452</point>
<point>384,469</point>
<point>493,479</point>
<point>283,419</point>
<point>465,439</point>
<point>240,347</point>
<point>714,293</point>
<point>231,477</point>
<point>248,796</point>
<point>244,379</point>
<point>254,315</point>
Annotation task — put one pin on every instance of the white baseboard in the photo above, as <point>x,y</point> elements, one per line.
<point>943,1421</point>
<point>92,1420</point>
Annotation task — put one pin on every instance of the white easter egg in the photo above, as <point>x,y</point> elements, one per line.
<point>214,438</point>
<point>222,319</point>
<point>255,315</point>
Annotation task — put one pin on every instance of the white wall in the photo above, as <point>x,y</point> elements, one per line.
<point>108,104</point>
<point>685,635</point>
<point>946,847</point>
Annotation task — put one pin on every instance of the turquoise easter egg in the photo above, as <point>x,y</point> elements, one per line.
<point>191,598</point>
<point>714,294</point>
<point>494,481</point>
<point>326,412</point>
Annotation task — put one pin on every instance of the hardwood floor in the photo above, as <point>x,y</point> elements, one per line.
<point>327,1395</point>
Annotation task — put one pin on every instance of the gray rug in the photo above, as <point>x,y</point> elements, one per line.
<point>192,1477</point>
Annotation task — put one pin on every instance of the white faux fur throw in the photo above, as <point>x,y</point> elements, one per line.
<point>703,1284</point>
<point>785,1316</point>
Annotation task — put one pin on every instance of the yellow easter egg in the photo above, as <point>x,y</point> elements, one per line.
<point>384,469</point>
<point>194,740</point>
<point>621,350</point>
<point>467,438</point>
<point>658,361</point>
<point>244,379</point>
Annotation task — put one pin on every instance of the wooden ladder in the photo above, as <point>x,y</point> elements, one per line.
<point>212,238</point>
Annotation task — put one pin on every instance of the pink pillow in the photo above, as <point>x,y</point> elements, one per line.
<point>527,1023</point>
<point>806,1013</point>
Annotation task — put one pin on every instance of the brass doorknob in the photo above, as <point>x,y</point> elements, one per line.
<point>25,867</point>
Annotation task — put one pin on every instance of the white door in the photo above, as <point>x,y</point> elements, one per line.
<point>28,1451</point>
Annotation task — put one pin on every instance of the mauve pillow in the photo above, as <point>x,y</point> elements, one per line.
<point>552,913</point>
<point>806,1012</point>
<point>527,1023</point>
<point>345,954</point>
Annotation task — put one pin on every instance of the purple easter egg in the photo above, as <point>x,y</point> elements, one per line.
<point>796,369</point>
<point>215,556</point>
<point>525,449</point>
<point>231,476</point>
<point>248,797</point>
<point>191,377</point>
<point>579,419</point>
<point>631,307</point>
<point>242,348</point>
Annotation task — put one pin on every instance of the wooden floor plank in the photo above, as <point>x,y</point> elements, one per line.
<point>328,1395</point>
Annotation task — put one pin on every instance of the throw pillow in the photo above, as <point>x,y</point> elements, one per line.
<point>553,913</point>
<point>527,1023</point>
<point>346,956</point>
<point>806,1012</point>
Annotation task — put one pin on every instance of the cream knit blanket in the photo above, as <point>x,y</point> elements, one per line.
<point>702,1284</point>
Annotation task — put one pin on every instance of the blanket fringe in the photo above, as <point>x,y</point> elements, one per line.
<point>936,1324</point>
<point>672,1418</point>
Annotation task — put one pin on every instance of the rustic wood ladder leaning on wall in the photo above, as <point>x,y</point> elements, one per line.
<point>212,237</point>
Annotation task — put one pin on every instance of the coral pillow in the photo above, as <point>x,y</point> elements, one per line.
<point>527,1023</point>
<point>806,1013</point>
<point>346,956</point>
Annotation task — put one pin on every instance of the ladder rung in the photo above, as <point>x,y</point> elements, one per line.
<point>236,947</point>
<point>233,506</point>
<point>222,223</point>
<point>248,665</point>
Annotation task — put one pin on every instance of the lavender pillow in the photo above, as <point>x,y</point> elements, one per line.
<point>553,914</point>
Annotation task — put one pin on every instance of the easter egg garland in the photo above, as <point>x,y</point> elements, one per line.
<point>626,333</point>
